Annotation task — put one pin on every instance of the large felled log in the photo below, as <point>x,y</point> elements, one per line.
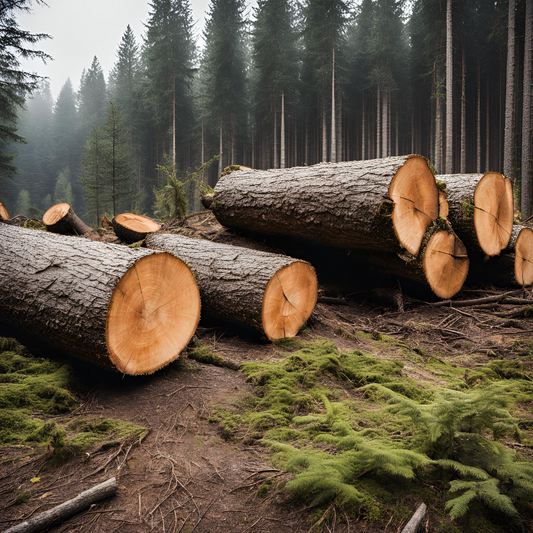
<point>271,293</point>
<point>60,218</point>
<point>130,309</point>
<point>480,208</point>
<point>42,521</point>
<point>514,266</point>
<point>339,204</point>
<point>4,215</point>
<point>131,228</point>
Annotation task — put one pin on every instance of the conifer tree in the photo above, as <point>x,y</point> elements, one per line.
<point>63,188</point>
<point>92,98</point>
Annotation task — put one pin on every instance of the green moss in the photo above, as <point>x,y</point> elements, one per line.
<point>203,354</point>
<point>31,385</point>
<point>137,244</point>
<point>441,185</point>
<point>468,208</point>
<point>22,498</point>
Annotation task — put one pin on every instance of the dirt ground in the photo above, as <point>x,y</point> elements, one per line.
<point>184,476</point>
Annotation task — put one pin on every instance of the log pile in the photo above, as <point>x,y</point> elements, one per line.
<point>131,310</point>
<point>271,293</point>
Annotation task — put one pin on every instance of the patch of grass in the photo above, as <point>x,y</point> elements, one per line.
<point>31,385</point>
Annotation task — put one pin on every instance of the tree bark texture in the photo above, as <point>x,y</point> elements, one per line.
<point>509,93</point>
<point>416,520</point>
<point>526,185</point>
<point>58,288</point>
<point>463,116</point>
<point>282,137</point>
<point>232,280</point>
<point>62,512</point>
<point>333,150</point>
<point>449,90</point>
<point>342,204</point>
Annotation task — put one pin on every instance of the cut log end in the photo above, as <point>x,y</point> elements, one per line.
<point>130,227</point>
<point>152,315</point>
<point>493,213</point>
<point>55,214</point>
<point>445,264</point>
<point>524,258</point>
<point>289,300</point>
<point>444,208</point>
<point>416,202</point>
<point>4,215</point>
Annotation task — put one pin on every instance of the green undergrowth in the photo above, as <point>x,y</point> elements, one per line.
<point>204,354</point>
<point>34,403</point>
<point>356,432</point>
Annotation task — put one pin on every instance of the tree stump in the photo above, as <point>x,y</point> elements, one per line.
<point>133,310</point>
<point>131,228</point>
<point>60,218</point>
<point>4,215</point>
<point>273,294</point>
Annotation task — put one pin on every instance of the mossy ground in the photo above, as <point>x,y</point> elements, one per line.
<point>34,394</point>
<point>326,417</point>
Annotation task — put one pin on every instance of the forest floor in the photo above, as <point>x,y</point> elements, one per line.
<point>203,466</point>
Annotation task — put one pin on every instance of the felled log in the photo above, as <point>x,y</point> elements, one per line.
<point>4,215</point>
<point>59,513</point>
<point>480,208</point>
<point>131,228</point>
<point>271,293</point>
<point>514,266</point>
<point>133,310</point>
<point>416,520</point>
<point>60,218</point>
<point>373,205</point>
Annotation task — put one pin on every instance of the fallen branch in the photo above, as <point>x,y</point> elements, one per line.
<point>499,298</point>
<point>105,490</point>
<point>413,524</point>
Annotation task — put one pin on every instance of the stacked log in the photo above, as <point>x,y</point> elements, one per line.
<point>514,266</point>
<point>273,294</point>
<point>131,228</point>
<point>385,210</point>
<point>131,310</point>
<point>480,209</point>
<point>60,218</point>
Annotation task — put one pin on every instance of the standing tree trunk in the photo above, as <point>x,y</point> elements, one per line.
<point>378,124</point>
<point>129,309</point>
<point>526,186</point>
<point>282,137</point>
<point>463,115</point>
<point>275,163</point>
<point>487,131</point>
<point>363,153</point>
<point>220,149</point>
<point>232,139</point>
<point>509,94</point>
<point>272,293</point>
<point>385,126</point>
<point>478,128</point>
<point>438,127</point>
<point>333,155</point>
<point>173,120</point>
<point>324,133</point>
<point>449,90</point>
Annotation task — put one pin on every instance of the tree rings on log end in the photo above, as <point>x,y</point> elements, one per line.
<point>4,215</point>
<point>152,315</point>
<point>524,257</point>
<point>55,214</point>
<point>444,208</point>
<point>289,300</point>
<point>493,212</point>
<point>131,228</point>
<point>445,264</point>
<point>416,202</point>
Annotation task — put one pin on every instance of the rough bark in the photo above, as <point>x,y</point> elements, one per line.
<point>233,281</point>
<point>324,133</point>
<point>463,116</point>
<point>333,156</point>
<point>62,512</point>
<point>220,149</point>
<point>468,216</point>
<point>478,125</point>
<point>385,125</point>
<point>60,289</point>
<point>438,128</point>
<point>61,219</point>
<point>509,93</point>
<point>378,125</point>
<point>282,137</point>
<point>342,204</point>
<point>526,186</point>
<point>449,90</point>
<point>414,524</point>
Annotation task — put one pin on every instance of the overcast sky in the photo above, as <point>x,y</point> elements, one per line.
<point>82,29</point>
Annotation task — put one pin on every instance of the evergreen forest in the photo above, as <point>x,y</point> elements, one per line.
<point>287,84</point>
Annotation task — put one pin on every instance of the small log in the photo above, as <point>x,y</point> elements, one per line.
<point>514,266</point>
<point>131,228</point>
<point>480,209</point>
<point>62,512</point>
<point>271,293</point>
<point>4,215</point>
<point>380,204</point>
<point>133,310</point>
<point>416,520</point>
<point>60,218</point>
<point>17,220</point>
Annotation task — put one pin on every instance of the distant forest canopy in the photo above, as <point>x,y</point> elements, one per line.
<point>299,84</point>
